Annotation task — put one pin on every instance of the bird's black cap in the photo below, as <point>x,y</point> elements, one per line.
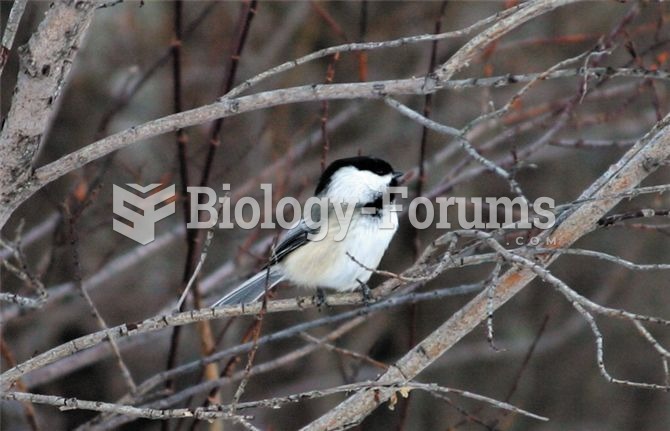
<point>362,163</point>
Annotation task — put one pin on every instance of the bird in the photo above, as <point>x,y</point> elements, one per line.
<point>308,257</point>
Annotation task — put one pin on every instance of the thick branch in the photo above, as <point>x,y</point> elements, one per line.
<point>643,159</point>
<point>227,107</point>
<point>46,61</point>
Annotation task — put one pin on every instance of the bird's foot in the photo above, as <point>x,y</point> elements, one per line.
<point>320,298</point>
<point>366,292</point>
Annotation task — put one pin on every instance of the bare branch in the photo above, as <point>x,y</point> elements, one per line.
<point>463,142</point>
<point>623,176</point>
<point>65,404</point>
<point>46,61</point>
<point>227,107</point>
<point>179,319</point>
<point>608,257</point>
<point>403,388</point>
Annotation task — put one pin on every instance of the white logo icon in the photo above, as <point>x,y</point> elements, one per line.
<point>140,225</point>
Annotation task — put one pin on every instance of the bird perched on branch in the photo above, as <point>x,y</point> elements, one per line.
<point>339,246</point>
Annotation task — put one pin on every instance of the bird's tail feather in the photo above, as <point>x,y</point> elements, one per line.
<point>252,289</point>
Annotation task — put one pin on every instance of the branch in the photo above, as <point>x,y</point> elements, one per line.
<point>46,61</point>
<point>463,142</point>
<point>365,46</point>
<point>137,255</point>
<point>159,322</point>
<point>403,388</point>
<point>608,257</point>
<point>11,27</point>
<point>307,93</point>
<point>22,272</point>
<point>351,319</point>
<point>98,406</point>
<point>639,162</point>
<point>226,107</point>
<point>105,423</point>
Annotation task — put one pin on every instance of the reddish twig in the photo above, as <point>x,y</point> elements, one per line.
<point>420,184</point>
<point>28,408</point>
<point>175,51</point>
<point>194,238</point>
<point>327,17</point>
<point>362,32</point>
<point>330,75</point>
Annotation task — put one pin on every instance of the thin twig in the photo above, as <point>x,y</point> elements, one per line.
<point>168,320</point>
<point>23,273</point>
<point>365,46</point>
<point>458,134</point>
<point>344,352</point>
<point>8,358</point>
<point>198,268</point>
<point>265,367</point>
<point>65,404</point>
<point>77,276</point>
<point>401,387</point>
<point>627,173</point>
<point>226,108</point>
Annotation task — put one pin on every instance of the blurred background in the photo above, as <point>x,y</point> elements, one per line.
<point>557,139</point>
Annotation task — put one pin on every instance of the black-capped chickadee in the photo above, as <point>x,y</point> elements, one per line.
<point>344,255</point>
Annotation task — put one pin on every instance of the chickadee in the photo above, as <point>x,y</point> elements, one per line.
<point>337,261</point>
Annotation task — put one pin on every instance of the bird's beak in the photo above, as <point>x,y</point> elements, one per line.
<point>398,177</point>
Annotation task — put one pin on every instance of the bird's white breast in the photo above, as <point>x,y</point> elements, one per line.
<point>327,263</point>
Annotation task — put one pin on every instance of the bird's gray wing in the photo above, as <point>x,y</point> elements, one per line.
<point>297,236</point>
<point>254,288</point>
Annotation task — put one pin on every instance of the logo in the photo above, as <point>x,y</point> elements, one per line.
<point>142,218</point>
<point>138,211</point>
